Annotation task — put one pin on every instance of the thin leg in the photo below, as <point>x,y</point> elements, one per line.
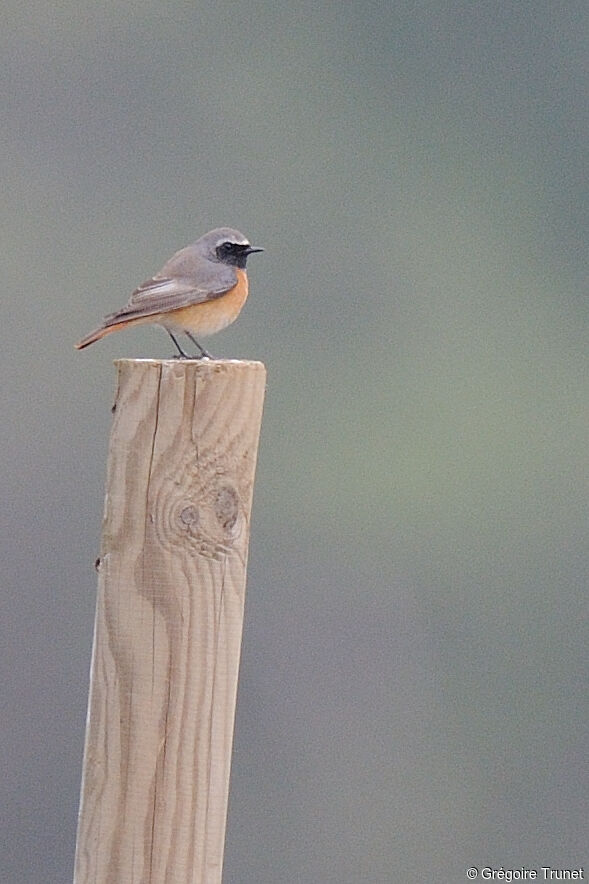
<point>181,353</point>
<point>203,352</point>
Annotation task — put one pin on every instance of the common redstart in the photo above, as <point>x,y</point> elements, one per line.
<point>199,291</point>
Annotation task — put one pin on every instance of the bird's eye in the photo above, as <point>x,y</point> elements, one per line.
<point>232,253</point>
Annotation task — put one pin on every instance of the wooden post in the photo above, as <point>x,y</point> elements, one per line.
<point>168,624</point>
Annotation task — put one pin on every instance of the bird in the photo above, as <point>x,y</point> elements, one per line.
<point>199,291</point>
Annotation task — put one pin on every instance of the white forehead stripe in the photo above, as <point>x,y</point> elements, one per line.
<point>235,242</point>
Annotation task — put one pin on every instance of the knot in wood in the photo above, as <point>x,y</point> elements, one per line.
<point>227,507</point>
<point>189,516</point>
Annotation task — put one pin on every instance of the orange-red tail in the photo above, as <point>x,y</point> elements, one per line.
<point>99,333</point>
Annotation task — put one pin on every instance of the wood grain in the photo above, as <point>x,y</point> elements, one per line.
<point>168,622</point>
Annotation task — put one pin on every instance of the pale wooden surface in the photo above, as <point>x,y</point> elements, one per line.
<point>168,622</point>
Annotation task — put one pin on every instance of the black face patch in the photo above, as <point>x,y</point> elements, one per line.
<point>233,253</point>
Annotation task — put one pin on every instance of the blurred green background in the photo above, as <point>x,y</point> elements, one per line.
<point>414,674</point>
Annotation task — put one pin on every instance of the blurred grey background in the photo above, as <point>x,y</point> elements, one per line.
<point>413,686</point>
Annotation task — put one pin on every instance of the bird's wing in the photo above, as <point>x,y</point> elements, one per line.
<point>203,281</point>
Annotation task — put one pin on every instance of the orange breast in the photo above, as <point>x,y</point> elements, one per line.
<point>210,316</point>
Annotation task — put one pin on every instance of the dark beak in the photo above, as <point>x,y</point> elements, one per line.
<point>251,249</point>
